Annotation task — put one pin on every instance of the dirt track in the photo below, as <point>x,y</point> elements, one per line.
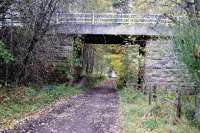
<point>96,111</point>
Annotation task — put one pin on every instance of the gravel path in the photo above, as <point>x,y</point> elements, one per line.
<point>94,112</point>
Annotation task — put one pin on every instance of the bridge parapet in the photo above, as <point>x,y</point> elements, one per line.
<point>101,18</point>
<point>106,23</point>
<point>112,18</point>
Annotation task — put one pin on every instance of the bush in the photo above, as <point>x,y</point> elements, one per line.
<point>187,40</point>
<point>5,54</point>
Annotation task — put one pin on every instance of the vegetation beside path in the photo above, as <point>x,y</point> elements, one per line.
<point>17,103</point>
<point>140,117</point>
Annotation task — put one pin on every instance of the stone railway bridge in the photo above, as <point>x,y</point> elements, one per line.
<point>161,68</point>
<point>111,28</point>
<point>112,24</point>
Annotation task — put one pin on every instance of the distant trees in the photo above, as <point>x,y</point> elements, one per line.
<point>191,7</point>
<point>89,6</point>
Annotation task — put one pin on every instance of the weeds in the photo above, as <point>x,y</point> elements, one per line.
<point>18,102</point>
<point>140,117</point>
<point>187,43</point>
<point>27,99</point>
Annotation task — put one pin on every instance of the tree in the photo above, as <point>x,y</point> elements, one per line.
<point>35,16</point>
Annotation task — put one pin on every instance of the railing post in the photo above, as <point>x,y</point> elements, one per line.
<point>150,94</point>
<point>11,16</point>
<point>57,18</point>
<point>129,18</point>
<point>93,21</point>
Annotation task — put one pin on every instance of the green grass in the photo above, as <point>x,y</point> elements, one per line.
<point>140,117</point>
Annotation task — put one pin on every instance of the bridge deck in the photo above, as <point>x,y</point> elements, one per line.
<point>112,24</point>
<point>113,29</point>
<point>110,18</point>
<point>108,23</point>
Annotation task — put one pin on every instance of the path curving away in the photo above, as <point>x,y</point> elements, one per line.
<point>96,111</point>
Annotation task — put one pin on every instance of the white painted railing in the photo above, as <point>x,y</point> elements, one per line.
<point>109,18</point>
<point>102,18</point>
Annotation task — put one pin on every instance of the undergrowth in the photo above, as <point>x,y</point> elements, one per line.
<point>19,102</point>
<point>140,117</point>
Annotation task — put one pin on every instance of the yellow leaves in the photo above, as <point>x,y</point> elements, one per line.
<point>9,124</point>
<point>197,52</point>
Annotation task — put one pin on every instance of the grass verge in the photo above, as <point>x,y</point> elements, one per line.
<point>17,103</point>
<point>139,117</point>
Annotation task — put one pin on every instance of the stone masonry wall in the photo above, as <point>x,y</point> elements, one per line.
<point>54,48</point>
<point>163,69</point>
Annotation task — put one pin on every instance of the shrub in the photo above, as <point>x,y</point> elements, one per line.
<point>5,54</point>
<point>187,40</point>
<point>190,114</point>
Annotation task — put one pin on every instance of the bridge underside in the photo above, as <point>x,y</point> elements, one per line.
<point>115,39</point>
<point>113,29</point>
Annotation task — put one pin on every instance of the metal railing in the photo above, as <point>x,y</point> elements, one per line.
<point>110,18</point>
<point>101,18</point>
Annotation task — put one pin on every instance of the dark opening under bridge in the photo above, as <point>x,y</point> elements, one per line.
<point>112,24</point>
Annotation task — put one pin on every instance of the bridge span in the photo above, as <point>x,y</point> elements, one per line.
<point>107,24</point>
<point>112,24</point>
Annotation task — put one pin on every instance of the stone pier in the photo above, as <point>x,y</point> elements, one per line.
<point>162,68</point>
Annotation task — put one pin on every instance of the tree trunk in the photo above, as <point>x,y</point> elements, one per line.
<point>150,94</point>
<point>197,115</point>
<point>178,104</point>
<point>88,58</point>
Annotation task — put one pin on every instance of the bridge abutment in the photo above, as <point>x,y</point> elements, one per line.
<point>162,68</point>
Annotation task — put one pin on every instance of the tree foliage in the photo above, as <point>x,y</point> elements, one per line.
<point>89,6</point>
<point>117,3</point>
<point>187,42</point>
<point>35,16</point>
